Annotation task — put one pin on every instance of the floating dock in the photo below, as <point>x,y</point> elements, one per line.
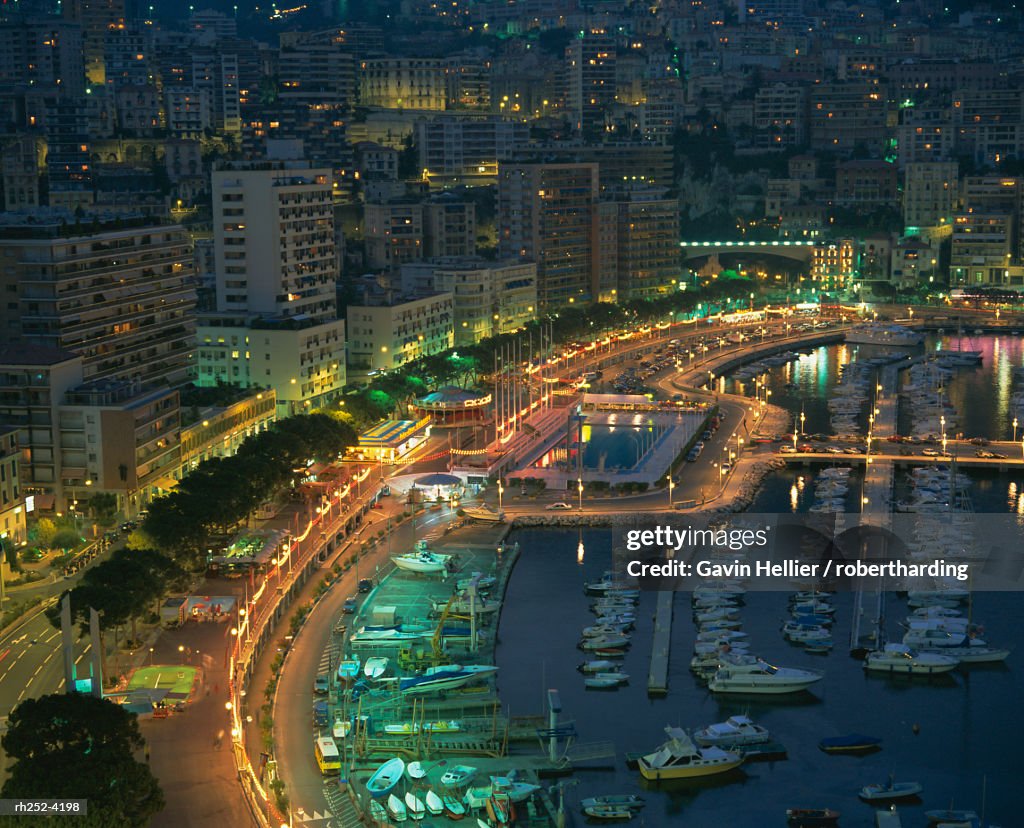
<point>657,678</point>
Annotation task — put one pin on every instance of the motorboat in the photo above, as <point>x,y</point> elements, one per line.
<point>930,638</point>
<point>457,776</point>
<point>733,732</point>
<point>414,806</point>
<point>484,513</point>
<point>898,658</point>
<point>680,758</point>
<point>386,636</point>
<point>464,605</point>
<point>517,791</point>
<point>341,728</point>
<point>422,560</point>
<point>972,655</point>
<point>453,807</point>
<point>446,677</point>
<point>811,817</point>
<point>500,808</point>
<point>598,666</point>
<point>717,614</point>
<point>605,642</point>
<point>747,674</point>
<point>610,652</point>
<point>375,667</point>
<point>348,670</point>
<point>378,813</point>
<point>483,583</point>
<point>718,646</point>
<point>385,777</point>
<point>605,680</point>
<point>851,743</point>
<point>434,803</point>
<point>598,630</point>
<point>610,813</point>
<point>396,808</point>
<point>729,636</point>
<point>891,790</point>
<point>631,801</point>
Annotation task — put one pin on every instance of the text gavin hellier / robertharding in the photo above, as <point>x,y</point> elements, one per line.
<point>792,568</point>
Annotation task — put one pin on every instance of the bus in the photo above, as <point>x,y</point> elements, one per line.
<point>327,756</point>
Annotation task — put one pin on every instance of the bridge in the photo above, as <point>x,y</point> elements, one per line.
<point>799,250</point>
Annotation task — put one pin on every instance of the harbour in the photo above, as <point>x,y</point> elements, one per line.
<point>538,717</point>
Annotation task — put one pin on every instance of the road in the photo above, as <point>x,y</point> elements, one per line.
<point>293,727</point>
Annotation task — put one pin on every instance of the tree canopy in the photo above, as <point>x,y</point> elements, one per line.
<point>72,746</point>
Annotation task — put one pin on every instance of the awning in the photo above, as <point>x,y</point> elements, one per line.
<point>44,502</point>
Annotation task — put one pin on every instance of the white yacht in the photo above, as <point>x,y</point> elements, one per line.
<point>898,658</point>
<point>747,674</point>
<point>733,732</point>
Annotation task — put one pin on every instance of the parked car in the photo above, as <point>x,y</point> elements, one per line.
<point>979,441</point>
<point>349,606</point>
<point>787,450</point>
<point>561,505</point>
<point>365,585</point>
<point>931,453</point>
<point>321,684</point>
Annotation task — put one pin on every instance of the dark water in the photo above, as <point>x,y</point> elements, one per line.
<point>968,722</point>
<point>963,718</point>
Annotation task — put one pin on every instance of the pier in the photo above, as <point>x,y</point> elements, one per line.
<point>657,678</point>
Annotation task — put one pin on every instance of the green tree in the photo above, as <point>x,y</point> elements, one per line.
<point>103,508</point>
<point>80,747</point>
<point>66,539</point>
<point>45,531</point>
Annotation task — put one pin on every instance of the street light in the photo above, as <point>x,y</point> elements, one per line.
<point>671,486</point>
<point>1015,429</point>
<point>501,491</point>
<point>579,487</point>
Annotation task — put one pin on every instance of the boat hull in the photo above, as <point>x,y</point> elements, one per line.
<point>659,774</point>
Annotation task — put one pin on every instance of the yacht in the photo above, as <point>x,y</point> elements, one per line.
<point>421,559</point>
<point>897,658</point>
<point>680,758</point>
<point>733,732</point>
<point>747,674</point>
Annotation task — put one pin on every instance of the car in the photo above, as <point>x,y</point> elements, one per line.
<point>787,450</point>
<point>365,585</point>
<point>931,453</point>
<point>905,452</point>
<point>995,455</point>
<point>349,606</point>
<point>726,467</point>
<point>851,450</point>
<point>321,684</point>
<point>708,435</point>
<point>979,441</point>
<point>833,450</point>
<point>561,505</point>
<point>806,448</point>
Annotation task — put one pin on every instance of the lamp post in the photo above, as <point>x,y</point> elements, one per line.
<point>801,422</point>
<point>1015,429</point>
<point>501,491</point>
<point>579,488</point>
<point>671,486</point>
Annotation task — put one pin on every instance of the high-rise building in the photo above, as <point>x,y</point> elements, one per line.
<point>95,17</point>
<point>403,83</point>
<point>982,250</point>
<point>590,78</point>
<point>466,148</point>
<point>276,321</point>
<point>648,252</point>
<point>780,117</point>
<point>317,69</point>
<point>118,292</point>
<point>81,438</point>
<point>848,115</point>
<point>491,298</point>
<point>45,54</point>
<point>449,226</point>
<point>386,333</point>
<point>548,213</point>
<point>930,193</point>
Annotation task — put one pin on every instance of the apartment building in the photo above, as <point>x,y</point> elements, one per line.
<point>118,291</point>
